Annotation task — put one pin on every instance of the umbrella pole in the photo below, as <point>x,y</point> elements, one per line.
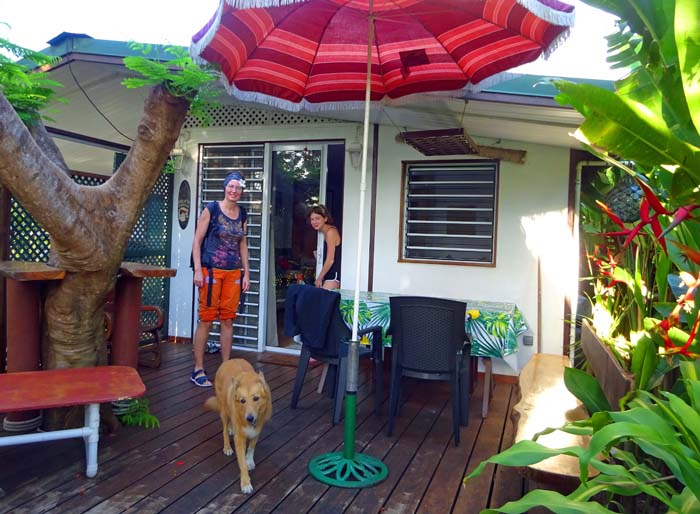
<point>348,468</point>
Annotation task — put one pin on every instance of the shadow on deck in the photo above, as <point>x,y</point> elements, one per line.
<point>180,468</point>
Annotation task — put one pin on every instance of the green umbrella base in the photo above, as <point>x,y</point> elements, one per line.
<point>356,472</point>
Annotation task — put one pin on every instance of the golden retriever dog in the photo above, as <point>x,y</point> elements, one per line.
<point>244,403</point>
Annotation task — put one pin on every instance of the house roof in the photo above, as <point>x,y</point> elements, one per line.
<point>91,70</point>
<point>526,86</point>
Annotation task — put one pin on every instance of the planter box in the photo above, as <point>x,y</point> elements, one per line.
<point>615,381</point>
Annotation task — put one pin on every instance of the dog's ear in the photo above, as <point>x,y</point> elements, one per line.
<point>266,387</point>
<point>233,385</point>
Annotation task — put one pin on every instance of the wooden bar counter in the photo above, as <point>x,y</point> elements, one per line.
<point>23,325</point>
<point>127,309</point>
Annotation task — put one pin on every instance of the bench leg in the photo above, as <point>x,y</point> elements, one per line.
<point>91,438</point>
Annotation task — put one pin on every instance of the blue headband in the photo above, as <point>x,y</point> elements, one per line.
<point>234,175</point>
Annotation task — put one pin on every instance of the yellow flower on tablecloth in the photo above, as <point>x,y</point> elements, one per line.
<point>473,313</point>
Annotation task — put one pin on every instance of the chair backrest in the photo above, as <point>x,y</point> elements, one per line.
<point>338,332</point>
<point>427,333</point>
<point>319,318</point>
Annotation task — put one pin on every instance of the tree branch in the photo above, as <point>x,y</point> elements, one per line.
<point>48,146</point>
<point>158,130</point>
<point>32,177</point>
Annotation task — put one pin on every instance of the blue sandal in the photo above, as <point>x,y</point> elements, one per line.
<point>199,378</point>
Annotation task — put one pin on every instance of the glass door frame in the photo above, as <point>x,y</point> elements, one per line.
<point>265,233</point>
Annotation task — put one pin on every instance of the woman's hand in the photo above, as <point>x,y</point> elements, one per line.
<point>246,282</point>
<point>199,278</point>
<point>318,283</point>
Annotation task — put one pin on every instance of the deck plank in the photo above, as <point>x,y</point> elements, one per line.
<point>180,468</point>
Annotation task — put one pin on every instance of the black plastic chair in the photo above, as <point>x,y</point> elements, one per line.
<point>335,353</point>
<point>429,342</point>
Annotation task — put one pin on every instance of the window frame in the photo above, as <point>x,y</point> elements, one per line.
<point>403,218</point>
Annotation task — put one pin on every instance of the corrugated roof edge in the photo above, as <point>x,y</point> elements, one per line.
<point>523,85</point>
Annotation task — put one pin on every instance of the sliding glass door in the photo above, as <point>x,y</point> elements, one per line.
<point>298,177</point>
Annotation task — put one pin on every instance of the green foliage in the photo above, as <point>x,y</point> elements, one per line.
<point>139,414</point>
<point>662,426</point>
<point>27,91</point>
<point>180,76</point>
<point>653,118</point>
<point>645,274</point>
<point>587,389</point>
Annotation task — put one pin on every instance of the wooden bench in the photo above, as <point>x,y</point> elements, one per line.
<point>546,402</point>
<point>34,390</point>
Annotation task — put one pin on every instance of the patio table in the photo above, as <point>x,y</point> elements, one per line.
<point>494,327</point>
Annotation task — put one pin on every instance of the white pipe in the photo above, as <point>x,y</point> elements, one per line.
<point>363,173</point>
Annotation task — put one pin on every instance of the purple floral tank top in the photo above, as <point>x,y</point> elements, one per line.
<point>221,248</point>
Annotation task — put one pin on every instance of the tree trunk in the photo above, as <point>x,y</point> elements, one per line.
<point>73,331</point>
<point>89,226</point>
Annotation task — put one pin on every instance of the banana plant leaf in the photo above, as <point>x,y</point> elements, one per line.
<point>619,126</point>
<point>687,35</point>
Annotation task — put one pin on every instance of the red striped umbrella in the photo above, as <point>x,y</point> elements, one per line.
<point>318,54</point>
<point>314,53</point>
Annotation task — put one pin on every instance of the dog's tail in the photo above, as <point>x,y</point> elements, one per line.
<point>212,404</point>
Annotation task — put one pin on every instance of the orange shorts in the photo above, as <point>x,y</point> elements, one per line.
<point>225,294</point>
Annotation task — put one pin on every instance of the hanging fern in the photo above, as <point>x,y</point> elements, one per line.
<point>179,75</point>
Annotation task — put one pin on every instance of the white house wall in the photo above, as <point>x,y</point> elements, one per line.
<point>532,223</point>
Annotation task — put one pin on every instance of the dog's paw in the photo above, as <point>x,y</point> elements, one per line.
<point>228,451</point>
<point>250,463</point>
<point>230,432</point>
<point>246,488</point>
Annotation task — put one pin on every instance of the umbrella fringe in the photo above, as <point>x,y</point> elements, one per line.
<point>547,13</point>
<point>556,43</point>
<point>247,4</point>
<point>303,106</point>
<point>196,48</point>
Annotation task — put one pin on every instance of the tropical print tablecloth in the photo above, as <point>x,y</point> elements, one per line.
<point>493,326</point>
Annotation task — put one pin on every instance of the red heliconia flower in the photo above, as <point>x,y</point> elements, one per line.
<point>649,202</point>
<point>679,215</point>
<point>673,319</point>
<point>650,197</point>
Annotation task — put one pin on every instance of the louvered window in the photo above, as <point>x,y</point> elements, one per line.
<point>449,212</point>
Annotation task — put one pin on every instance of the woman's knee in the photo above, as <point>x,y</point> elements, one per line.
<point>227,323</point>
<point>204,325</point>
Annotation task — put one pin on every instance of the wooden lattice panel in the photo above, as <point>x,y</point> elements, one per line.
<point>240,116</point>
<point>28,240</point>
<point>149,242</point>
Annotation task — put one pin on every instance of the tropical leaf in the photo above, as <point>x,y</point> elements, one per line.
<point>587,389</point>
<point>687,35</point>
<point>555,502</point>
<point>644,360</point>
<point>623,127</point>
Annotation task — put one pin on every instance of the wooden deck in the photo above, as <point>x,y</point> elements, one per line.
<point>180,467</point>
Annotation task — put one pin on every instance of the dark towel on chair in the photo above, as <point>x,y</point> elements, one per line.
<point>307,312</point>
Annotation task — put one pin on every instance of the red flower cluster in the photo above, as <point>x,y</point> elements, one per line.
<point>650,209</point>
<point>685,302</point>
<point>649,203</point>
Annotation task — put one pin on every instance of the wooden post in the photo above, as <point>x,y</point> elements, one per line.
<point>23,325</point>
<point>127,310</point>
<point>4,252</point>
